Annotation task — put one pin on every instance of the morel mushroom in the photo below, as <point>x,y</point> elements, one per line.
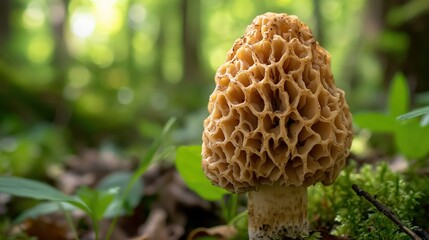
<point>277,124</point>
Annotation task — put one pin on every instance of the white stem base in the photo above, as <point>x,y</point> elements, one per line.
<point>278,212</point>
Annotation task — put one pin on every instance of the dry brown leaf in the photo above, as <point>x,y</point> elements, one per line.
<point>222,232</point>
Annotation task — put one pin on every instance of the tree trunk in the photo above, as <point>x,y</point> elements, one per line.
<point>191,39</point>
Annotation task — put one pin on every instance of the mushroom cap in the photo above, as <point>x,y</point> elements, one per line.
<point>276,116</point>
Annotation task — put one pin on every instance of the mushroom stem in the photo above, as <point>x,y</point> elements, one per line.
<point>278,212</point>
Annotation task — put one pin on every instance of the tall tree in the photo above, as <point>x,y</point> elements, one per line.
<point>191,39</point>
<point>5,6</point>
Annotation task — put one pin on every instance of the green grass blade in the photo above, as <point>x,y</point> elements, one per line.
<point>69,220</point>
<point>144,164</point>
<point>413,114</point>
<point>148,158</point>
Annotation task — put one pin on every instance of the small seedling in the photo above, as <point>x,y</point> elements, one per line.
<point>110,200</point>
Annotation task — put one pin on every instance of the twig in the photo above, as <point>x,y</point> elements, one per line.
<point>386,211</point>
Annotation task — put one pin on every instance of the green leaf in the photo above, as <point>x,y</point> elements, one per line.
<point>97,200</point>
<point>188,163</point>
<point>37,190</point>
<point>43,209</point>
<point>148,158</point>
<point>411,140</point>
<point>29,188</point>
<point>376,122</point>
<point>413,114</point>
<point>121,180</point>
<point>424,121</point>
<point>144,164</point>
<point>150,155</point>
<point>399,95</point>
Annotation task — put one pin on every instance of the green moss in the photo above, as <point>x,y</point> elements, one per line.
<point>338,209</point>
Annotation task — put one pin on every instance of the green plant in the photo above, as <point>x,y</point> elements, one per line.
<point>188,164</point>
<point>353,216</point>
<point>116,193</point>
<point>410,135</point>
<point>30,150</point>
<point>418,182</point>
<point>419,112</point>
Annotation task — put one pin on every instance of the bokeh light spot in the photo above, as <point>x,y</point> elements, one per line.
<point>159,101</point>
<point>39,49</point>
<point>109,19</point>
<point>331,9</point>
<point>82,24</point>
<point>217,57</point>
<point>79,76</point>
<point>143,46</point>
<point>125,95</point>
<point>91,103</point>
<point>33,17</point>
<point>116,78</point>
<point>137,15</point>
<point>102,56</point>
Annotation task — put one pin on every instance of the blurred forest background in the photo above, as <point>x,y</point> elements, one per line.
<point>107,74</point>
<point>85,79</point>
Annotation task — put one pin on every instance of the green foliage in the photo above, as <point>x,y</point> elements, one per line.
<point>37,190</point>
<point>399,96</point>
<point>117,180</point>
<point>240,222</point>
<point>122,203</point>
<point>29,151</point>
<point>410,136</point>
<point>145,161</point>
<point>356,217</point>
<point>109,200</point>
<point>229,205</point>
<point>44,208</point>
<point>314,236</point>
<point>94,202</point>
<point>423,111</point>
<point>188,164</point>
<point>97,200</point>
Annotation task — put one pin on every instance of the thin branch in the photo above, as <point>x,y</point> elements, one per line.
<point>386,211</point>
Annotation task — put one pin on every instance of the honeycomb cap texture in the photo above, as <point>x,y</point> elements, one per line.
<point>276,116</point>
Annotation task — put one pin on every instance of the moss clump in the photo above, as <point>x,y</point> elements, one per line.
<point>338,209</point>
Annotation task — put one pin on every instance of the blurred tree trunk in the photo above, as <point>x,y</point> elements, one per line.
<point>58,13</point>
<point>5,7</point>
<point>159,44</point>
<point>319,22</point>
<point>191,39</point>
<point>192,83</point>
